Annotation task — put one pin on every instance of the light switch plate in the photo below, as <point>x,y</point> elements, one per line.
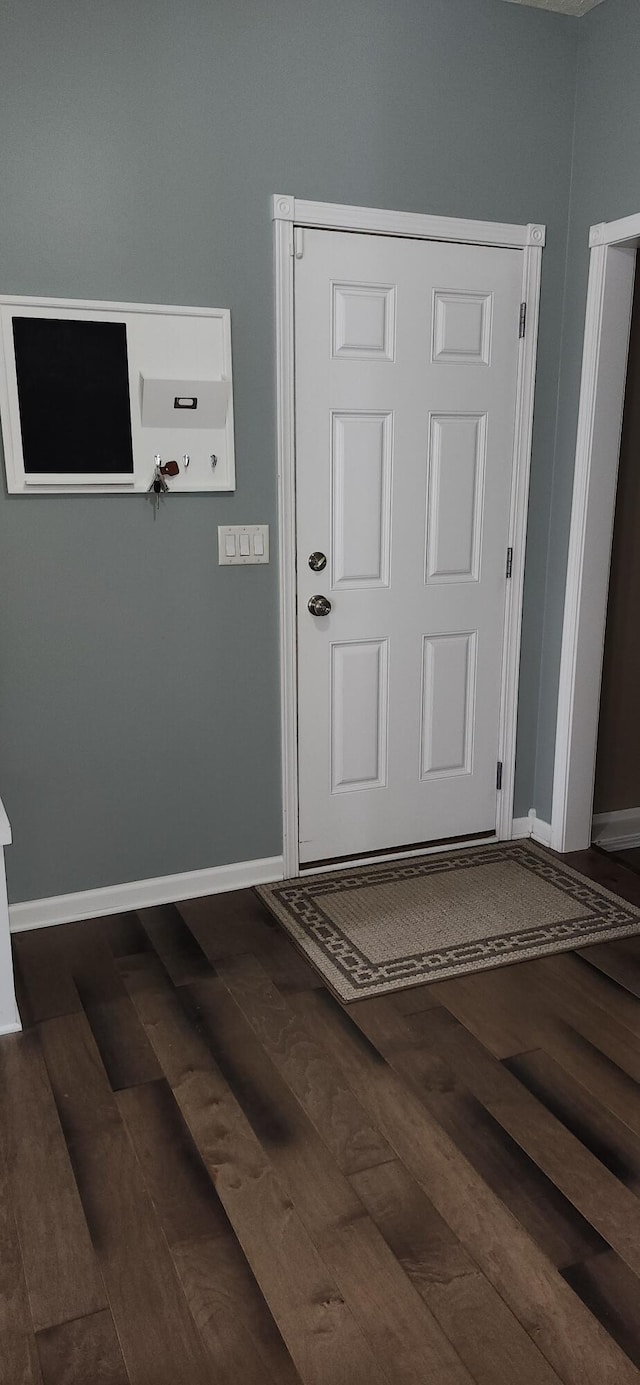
<point>229,553</point>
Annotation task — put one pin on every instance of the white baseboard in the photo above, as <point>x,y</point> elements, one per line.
<point>532,826</point>
<point>168,889</point>
<point>540,830</point>
<point>618,831</point>
<point>142,894</point>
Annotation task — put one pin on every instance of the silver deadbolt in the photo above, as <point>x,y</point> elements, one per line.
<point>319,605</point>
<point>317,561</point>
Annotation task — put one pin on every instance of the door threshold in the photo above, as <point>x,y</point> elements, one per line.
<point>401,853</point>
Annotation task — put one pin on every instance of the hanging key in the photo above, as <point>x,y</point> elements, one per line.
<point>158,487</point>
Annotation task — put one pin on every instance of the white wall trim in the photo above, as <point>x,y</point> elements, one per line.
<point>381,221</point>
<point>604,366</point>
<point>540,830</point>
<point>532,826</point>
<point>626,230</point>
<point>617,831</point>
<point>288,212</point>
<point>143,894</point>
<point>285,441</point>
<point>5,827</point>
<point>14,1028</point>
<point>9,1017</point>
<point>531,276</point>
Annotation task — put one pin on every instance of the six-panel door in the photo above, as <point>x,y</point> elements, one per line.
<point>406,363</point>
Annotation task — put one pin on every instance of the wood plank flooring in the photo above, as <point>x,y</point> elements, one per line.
<point>211,1171</point>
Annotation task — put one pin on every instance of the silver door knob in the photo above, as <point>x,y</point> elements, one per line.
<point>319,605</point>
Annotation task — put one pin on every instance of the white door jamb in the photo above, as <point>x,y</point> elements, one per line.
<point>289,214</point>
<point>604,366</point>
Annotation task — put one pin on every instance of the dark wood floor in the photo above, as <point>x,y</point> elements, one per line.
<point>630,858</point>
<point>211,1172</point>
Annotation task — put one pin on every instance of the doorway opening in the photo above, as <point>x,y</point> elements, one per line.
<point>616,803</point>
<point>610,297</point>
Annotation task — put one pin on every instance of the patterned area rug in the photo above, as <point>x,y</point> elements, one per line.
<point>381,928</point>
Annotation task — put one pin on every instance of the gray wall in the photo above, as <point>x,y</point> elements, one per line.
<point>140,145</point>
<point>605,185</point>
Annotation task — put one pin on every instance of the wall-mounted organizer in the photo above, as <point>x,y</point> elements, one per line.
<point>91,394</point>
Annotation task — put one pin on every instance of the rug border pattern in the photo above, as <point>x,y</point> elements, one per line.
<point>352,975</point>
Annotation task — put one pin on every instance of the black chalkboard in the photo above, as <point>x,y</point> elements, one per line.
<point>73,392</point>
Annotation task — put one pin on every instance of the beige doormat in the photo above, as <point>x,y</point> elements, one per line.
<point>380,928</point>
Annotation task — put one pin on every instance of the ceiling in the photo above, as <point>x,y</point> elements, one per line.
<point>562,6</point>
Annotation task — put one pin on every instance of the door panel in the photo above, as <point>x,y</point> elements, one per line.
<point>448,698</point>
<point>406,364</point>
<point>361,499</point>
<point>358,711</point>
<point>462,324</point>
<point>455,496</point>
<point>363,321</point>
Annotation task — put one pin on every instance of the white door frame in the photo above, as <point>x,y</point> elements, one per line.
<point>290,216</point>
<point>604,368</point>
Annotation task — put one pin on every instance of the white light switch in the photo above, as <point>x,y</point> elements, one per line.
<point>243,543</point>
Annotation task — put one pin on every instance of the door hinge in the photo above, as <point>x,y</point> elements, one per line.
<point>298,243</point>
<point>523,320</point>
<point>499,775</point>
<point>509,563</point>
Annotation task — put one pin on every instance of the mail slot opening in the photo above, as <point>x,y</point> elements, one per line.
<point>185,401</point>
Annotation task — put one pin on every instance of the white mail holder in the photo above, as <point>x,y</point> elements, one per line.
<point>184,403</point>
<point>92,393</point>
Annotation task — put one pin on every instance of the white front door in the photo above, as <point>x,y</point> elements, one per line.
<point>406,357</point>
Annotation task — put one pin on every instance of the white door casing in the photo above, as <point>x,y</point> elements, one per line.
<point>290,214</point>
<point>406,382</point>
<point>613,249</point>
